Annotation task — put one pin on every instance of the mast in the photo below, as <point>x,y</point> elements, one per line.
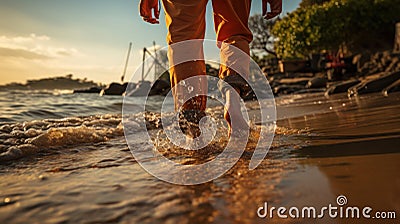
<point>126,63</point>
<point>156,67</point>
<point>143,60</point>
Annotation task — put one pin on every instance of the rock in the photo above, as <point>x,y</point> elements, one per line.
<point>142,89</point>
<point>317,82</point>
<point>146,88</point>
<point>341,87</point>
<point>114,89</point>
<point>360,60</point>
<point>90,90</point>
<point>294,81</point>
<point>394,87</point>
<point>374,85</point>
<point>287,89</point>
<point>160,87</point>
<point>295,66</point>
<point>386,61</point>
<point>319,90</point>
<point>392,66</point>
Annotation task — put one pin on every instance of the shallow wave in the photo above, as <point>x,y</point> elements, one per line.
<point>24,139</point>
<point>332,120</point>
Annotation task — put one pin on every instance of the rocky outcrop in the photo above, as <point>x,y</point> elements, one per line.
<point>379,62</point>
<point>90,90</point>
<point>374,85</point>
<point>114,89</point>
<point>341,87</point>
<point>142,89</point>
<point>394,87</point>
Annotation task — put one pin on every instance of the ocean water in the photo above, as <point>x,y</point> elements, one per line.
<point>64,159</point>
<point>20,106</point>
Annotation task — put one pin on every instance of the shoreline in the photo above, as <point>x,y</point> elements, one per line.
<point>101,182</point>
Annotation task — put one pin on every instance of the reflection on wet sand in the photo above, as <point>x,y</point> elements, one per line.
<point>352,151</point>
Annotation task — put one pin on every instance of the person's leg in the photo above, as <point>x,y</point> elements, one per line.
<point>231,25</point>
<point>185,21</point>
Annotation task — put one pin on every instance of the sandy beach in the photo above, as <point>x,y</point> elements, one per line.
<point>113,111</point>
<point>323,148</point>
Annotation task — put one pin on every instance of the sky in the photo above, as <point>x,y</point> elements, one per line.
<point>86,38</point>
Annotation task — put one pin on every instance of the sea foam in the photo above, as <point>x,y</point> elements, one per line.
<point>24,139</point>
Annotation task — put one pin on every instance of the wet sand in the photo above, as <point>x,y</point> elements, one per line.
<point>323,148</point>
<point>352,150</point>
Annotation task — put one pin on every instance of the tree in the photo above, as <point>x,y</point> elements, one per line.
<point>306,3</point>
<point>355,25</point>
<point>262,37</point>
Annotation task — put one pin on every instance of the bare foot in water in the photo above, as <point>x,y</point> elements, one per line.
<point>233,106</point>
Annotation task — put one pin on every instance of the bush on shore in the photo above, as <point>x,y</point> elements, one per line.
<point>352,26</point>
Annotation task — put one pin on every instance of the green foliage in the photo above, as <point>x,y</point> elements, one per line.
<point>352,24</point>
<point>306,3</point>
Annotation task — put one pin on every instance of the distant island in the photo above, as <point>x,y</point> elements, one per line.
<point>66,82</point>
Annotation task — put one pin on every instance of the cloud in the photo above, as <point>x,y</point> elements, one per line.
<point>21,53</point>
<point>66,52</point>
<point>31,56</point>
<point>33,47</point>
<point>17,41</point>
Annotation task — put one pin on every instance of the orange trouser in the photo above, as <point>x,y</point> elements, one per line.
<point>185,20</point>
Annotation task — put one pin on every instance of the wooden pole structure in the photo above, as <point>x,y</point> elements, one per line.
<point>156,65</point>
<point>156,60</point>
<point>126,63</point>
<point>143,60</point>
